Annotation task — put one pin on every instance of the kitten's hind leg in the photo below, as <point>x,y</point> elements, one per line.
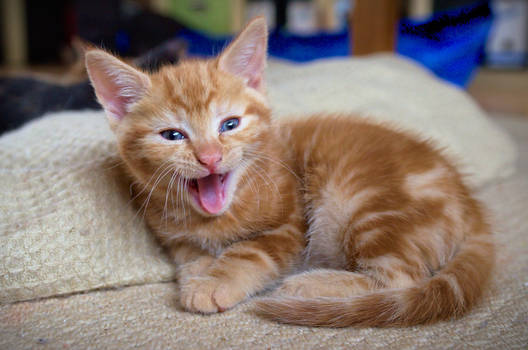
<point>327,283</point>
<point>386,271</point>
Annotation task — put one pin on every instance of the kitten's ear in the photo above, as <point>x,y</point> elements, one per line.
<point>117,85</point>
<point>245,57</point>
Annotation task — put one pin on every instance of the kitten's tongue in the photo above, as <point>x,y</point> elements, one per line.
<point>211,193</point>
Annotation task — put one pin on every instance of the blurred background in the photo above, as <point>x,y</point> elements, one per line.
<point>478,45</point>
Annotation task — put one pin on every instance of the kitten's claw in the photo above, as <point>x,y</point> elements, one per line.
<point>209,295</point>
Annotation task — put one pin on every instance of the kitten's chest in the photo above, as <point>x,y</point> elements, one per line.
<point>210,234</point>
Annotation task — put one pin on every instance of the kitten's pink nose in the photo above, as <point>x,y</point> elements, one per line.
<point>210,157</point>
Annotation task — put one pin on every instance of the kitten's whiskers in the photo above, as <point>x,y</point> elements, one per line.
<point>165,214</point>
<point>146,202</point>
<point>263,156</point>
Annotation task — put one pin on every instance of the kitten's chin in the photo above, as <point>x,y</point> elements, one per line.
<point>211,195</point>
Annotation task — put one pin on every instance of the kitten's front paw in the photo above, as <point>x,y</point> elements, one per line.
<point>209,295</point>
<point>194,268</point>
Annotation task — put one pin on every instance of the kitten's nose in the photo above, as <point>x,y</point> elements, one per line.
<point>210,157</point>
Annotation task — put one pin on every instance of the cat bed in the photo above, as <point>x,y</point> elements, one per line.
<point>148,317</point>
<point>67,224</point>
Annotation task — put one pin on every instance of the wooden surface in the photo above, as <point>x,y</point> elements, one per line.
<point>14,36</point>
<point>374,26</point>
<point>501,91</point>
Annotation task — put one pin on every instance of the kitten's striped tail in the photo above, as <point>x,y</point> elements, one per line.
<point>449,293</point>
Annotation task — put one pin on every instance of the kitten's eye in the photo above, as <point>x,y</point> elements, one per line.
<point>229,124</point>
<point>172,135</point>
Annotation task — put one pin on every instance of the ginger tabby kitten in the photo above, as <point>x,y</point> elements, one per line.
<point>390,233</point>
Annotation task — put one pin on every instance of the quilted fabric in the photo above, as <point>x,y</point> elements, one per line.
<point>66,221</point>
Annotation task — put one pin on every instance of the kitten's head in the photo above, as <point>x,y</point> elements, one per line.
<point>197,125</point>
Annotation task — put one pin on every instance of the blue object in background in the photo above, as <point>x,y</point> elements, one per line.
<point>450,43</point>
<point>280,44</point>
<point>122,42</point>
<point>202,45</point>
<point>307,48</point>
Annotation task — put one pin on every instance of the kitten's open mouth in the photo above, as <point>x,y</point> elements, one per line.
<point>210,191</point>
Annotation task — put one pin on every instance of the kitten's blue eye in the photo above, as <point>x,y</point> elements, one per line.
<point>229,124</point>
<point>172,135</point>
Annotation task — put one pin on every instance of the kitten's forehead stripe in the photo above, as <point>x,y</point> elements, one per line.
<point>172,89</point>
<point>190,86</point>
<point>210,97</point>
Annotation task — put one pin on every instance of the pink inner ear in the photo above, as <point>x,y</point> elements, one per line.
<point>246,56</point>
<point>108,94</point>
<point>116,108</point>
<point>248,65</point>
<point>113,102</point>
<point>116,84</point>
<point>255,67</point>
<point>255,82</point>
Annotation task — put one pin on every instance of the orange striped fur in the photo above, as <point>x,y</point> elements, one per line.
<point>381,223</point>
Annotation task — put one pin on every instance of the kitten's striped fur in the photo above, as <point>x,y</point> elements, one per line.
<point>391,233</point>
